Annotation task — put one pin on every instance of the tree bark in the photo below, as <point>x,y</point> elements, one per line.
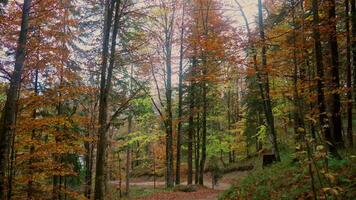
<point>9,112</point>
<point>335,123</point>
<point>191,127</point>
<point>297,100</point>
<point>203,135</point>
<point>128,159</point>
<point>353,50</point>
<point>197,150</point>
<point>169,120</point>
<point>325,129</point>
<point>180,99</point>
<point>267,100</point>
<point>103,101</point>
<point>348,74</point>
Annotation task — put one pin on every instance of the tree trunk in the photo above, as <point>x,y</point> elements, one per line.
<point>103,101</point>
<point>320,74</point>
<point>128,159</point>
<point>169,123</point>
<point>335,123</point>
<point>298,108</point>
<point>353,49</point>
<point>191,127</point>
<point>197,150</point>
<point>180,99</point>
<point>203,136</point>
<point>229,108</point>
<point>9,112</point>
<point>267,100</point>
<point>348,73</point>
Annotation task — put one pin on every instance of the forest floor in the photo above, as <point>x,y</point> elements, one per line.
<point>203,193</point>
<point>143,189</point>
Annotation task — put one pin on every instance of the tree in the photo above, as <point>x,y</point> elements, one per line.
<point>105,88</point>
<point>266,99</point>
<point>353,49</point>
<point>8,115</point>
<point>180,96</point>
<point>335,124</point>
<point>348,74</point>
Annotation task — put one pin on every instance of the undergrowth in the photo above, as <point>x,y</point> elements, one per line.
<point>291,180</point>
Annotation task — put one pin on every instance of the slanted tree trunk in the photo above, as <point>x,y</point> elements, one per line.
<point>267,100</point>
<point>9,112</point>
<point>335,123</point>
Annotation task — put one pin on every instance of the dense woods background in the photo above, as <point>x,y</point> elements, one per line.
<point>98,94</point>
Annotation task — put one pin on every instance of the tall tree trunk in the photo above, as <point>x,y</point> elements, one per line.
<point>267,100</point>
<point>348,73</point>
<point>88,171</point>
<point>103,100</point>
<point>203,135</point>
<point>320,74</point>
<point>169,123</point>
<point>335,124</point>
<point>128,159</point>
<point>298,108</point>
<point>191,125</point>
<point>353,49</point>
<point>229,108</point>
<point>197,149</point>
<point>180,99</point>
<point>9,112</point>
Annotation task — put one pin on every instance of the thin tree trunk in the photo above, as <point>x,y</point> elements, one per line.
<point>191,127</point>
<point>267,100</point>
<point>335,124</point>
<point>180,99</point>
<point>169,123</point>
<point>9,112</point>
<point>229,108</point>
<point>353,49</point>
<point>203,135</point>
<point>348,73</point>
<point>128,159</point>
<point>197,150</point>
<point>298,108</point>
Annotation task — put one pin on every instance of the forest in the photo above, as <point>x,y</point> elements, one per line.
<point>177,99</point>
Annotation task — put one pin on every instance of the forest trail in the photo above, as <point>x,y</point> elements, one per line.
<point>206,193</point>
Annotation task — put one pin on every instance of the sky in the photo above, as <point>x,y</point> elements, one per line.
<point>232,10</point>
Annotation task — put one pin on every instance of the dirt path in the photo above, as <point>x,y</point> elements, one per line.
<point>202,194</point>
